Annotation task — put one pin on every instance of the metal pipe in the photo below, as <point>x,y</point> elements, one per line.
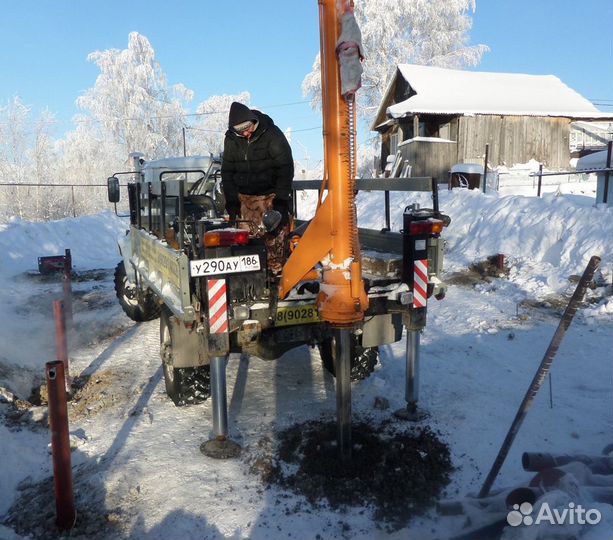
<point>342,360</point>
<point>605,196</point>
<point>139,217</point>
<point>540,181</point>
<point>67,285</point>
<point>181,213</point>
<point>412,372</point>
<point>61,346</point>
<point>162,209</point>
<point>60,446</point>
<point>487,151</point>
<point>537,461</point>
<point>387,211</point>
<point>149,206</point>
<point>219,396</point>
<point>541,373</point>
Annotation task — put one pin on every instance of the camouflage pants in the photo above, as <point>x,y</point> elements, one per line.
<point>253,208</point>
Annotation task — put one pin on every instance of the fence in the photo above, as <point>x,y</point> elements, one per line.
<point>43,202</point>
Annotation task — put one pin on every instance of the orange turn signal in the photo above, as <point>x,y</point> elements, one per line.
<point>226,238</point>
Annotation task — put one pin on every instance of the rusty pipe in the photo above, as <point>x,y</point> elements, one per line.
<point>61,345</point>
<point>66,514</point>
<point>537,461</point>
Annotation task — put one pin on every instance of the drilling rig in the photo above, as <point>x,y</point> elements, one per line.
<point>207,279</point>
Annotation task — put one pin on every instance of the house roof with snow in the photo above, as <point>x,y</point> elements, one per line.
<point>434,90</point>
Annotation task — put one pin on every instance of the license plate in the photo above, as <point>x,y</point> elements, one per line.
<point>296,315</point>
<point>224,265</point>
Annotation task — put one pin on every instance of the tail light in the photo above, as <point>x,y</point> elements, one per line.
<point>226,238</point>
<point>428,226</point>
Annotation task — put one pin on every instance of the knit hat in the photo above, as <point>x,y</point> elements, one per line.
<point>240,114</point>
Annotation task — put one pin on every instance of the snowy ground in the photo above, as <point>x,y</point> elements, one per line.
<point>138,471</point>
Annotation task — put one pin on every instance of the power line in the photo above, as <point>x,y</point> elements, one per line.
<point>169,116</point>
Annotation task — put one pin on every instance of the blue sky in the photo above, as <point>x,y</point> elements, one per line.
<point>267,46</point>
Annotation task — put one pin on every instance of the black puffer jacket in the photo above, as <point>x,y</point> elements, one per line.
<point>260,165</point>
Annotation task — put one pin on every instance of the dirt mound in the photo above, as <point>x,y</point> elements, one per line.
<point>399,474</point>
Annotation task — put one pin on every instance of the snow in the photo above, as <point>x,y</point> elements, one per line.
<point>138,459</point>
<point>451,91</point>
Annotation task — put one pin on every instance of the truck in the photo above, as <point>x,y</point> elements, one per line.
<point>206,277</point>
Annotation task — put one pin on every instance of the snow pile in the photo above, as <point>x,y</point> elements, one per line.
<point>92,241</point>
<point>545,240</point>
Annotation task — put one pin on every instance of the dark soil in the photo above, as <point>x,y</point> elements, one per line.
<point>397,474</point>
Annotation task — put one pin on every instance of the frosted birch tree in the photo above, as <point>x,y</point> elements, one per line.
<point>27,157</point>
<point>132,102</point>
<point>206,133</point>
<point>427,32</point>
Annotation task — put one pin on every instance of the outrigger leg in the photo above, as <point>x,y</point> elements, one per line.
<point>219,447</point>
<point>410,412</point>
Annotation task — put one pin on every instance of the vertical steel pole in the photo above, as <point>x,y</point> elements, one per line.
<point>67,285</point>
<point>411,394</point>
<point>220,446</point>
<point>342,367</point>
<point>219,396</point>
<point>60,446</point>
<point>605,195</point>
<point>540,181</point>
<point>61,346</point>
<point>387,210</point>
<point>487,151</point>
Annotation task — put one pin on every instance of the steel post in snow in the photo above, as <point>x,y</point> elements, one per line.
<point>61,344</point>
<point>540,180</point>
<point>219,396</point>
<point>487,151</point>
<point>541,372</point>
<point>605,195</point>
<point>412,375</point>
<point>60,446</point>
<point>220,446</point>
<point>67,286</point>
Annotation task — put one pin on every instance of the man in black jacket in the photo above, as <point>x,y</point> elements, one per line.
<point>257,172</point>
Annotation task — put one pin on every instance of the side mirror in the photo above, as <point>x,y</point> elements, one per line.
<point>112,184</point>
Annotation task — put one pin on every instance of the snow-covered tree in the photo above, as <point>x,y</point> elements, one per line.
<point>427,32</point>
<point>27,156</point>
<point>206,134</point>
<point>132,102</point>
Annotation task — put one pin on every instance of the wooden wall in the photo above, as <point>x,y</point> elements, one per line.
<point>514,139</point>
<point>430,158</point>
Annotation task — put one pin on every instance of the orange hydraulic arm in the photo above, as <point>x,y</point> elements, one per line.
<point>332,235</point>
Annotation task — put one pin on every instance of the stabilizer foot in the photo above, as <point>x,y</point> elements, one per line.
<point>220,448</point>
<point>411,413</point>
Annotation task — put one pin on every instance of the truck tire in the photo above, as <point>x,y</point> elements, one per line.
<point>184,386</point>
<point>140,306</point>
<point>363,359</point>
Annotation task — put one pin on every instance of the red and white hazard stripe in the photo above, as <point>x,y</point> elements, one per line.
<point>420,283</point>
<point>218,306</point>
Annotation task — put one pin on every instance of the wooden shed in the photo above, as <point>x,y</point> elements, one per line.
<point>432,118</point>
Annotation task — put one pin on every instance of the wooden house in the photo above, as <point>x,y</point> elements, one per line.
<point>432,118</point>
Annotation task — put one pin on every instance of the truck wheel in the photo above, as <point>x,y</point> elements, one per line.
<point>363,359</point>
<point>139,305</point>
<point>185,386</point>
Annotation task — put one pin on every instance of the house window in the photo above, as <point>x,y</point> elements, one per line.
<point>394,140</point>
